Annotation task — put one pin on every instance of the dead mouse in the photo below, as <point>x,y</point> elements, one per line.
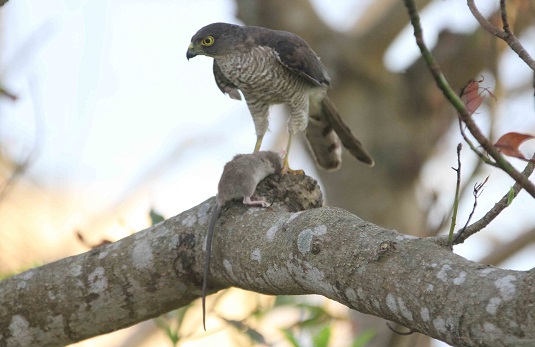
<point>240,177</point>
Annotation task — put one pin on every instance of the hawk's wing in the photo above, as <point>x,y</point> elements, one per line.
<point>293,52</point>
<point>224,84</point>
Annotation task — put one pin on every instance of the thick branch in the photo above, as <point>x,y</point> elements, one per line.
<point>277,250</point>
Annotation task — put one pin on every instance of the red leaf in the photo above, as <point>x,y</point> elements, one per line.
<point>471,97</point>
<point>508,144</point>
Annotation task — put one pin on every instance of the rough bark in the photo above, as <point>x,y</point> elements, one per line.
<point>279,250</point>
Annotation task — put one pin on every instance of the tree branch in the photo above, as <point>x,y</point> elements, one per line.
<point>506,34</point>
<point>413,282</point>
<point>456,102</point>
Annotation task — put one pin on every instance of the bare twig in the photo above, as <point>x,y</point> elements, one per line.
<point>478,189</point>
<point>410,332</point>
<point>8,94</point>
<point>452,97</point>
<point>22,166</point>
<point>495,210</point>
<point>456,198</point>
<point>506,34</point>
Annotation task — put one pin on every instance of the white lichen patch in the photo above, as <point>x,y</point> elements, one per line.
<point>51,295</point>
<point>173,242</point>
<point>460,278</point>
<point>439,324</point>
<point>142,256</point>
<point>402,237</point>
<point>21,285</point>
<point>392,303</point>
<point>361,294</point>
<point>404,310</point>
<point>506,288</point>
<point>293,216</point>
<point>202,213</point>
<point>351,294</point>
<point>443,273</point>
<point>305,237</point>
<point>19,328</point>
<point>228,266</point>
<point>485,272</point>
<point>376,304</point>
<point>189,221</point>
<point>97,280</point>
<point>424,313</point>
<point>492,306</point>
<point>489,327</point>
<point>272,232</point>
<point>76,270</point>
<point>429,288</point>
<point>27,275</point>
<point>256,255</point>
<point>102,255</point>
<point>306,274</point>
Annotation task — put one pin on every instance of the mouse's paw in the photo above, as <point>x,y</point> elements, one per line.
<point>259,202</point>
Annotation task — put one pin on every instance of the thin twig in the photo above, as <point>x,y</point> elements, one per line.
<point>506,34</point>
<point>21,167</point>
<point>473,147</point>
<point>495,210</point>
<point>452,97</point>
<point>456,198</point>
<point>410,332</point>
<point>478,189</point>
<point>8,94</point>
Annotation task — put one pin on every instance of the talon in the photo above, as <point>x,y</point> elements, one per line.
<point>286,169</point>
<point>293,172</point>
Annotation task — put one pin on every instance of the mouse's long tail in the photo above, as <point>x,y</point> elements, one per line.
<point>207,253</point>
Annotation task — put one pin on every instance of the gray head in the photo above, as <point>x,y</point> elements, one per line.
<point>274,158</point>
<point>216,39</point>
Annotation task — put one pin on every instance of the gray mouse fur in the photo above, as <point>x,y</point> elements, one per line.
<point>240,177</point>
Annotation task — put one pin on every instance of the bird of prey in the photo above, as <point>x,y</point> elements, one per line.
<point>278,67</point>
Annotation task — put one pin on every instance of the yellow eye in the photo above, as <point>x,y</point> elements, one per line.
<point>207,41</point>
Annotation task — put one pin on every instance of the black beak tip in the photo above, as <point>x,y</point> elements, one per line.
<point>190,55</point>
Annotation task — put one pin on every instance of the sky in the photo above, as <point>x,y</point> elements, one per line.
<point>112,110</point>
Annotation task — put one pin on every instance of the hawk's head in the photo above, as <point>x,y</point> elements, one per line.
<point>216,39</point>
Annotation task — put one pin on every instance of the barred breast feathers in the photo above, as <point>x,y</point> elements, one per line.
<point>260,74</point>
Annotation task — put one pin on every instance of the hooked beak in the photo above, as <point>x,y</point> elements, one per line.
<point>191,51</point>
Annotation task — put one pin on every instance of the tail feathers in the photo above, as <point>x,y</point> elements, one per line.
<point>323,142</point>
<point>350,142</point>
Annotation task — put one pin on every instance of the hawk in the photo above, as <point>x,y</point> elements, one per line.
<point>277,67</point>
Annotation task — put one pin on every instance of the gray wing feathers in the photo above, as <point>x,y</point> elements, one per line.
<point>293,52</point>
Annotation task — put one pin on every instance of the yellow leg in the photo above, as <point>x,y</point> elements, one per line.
<point>258,143</point>
<point>285,164</point>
